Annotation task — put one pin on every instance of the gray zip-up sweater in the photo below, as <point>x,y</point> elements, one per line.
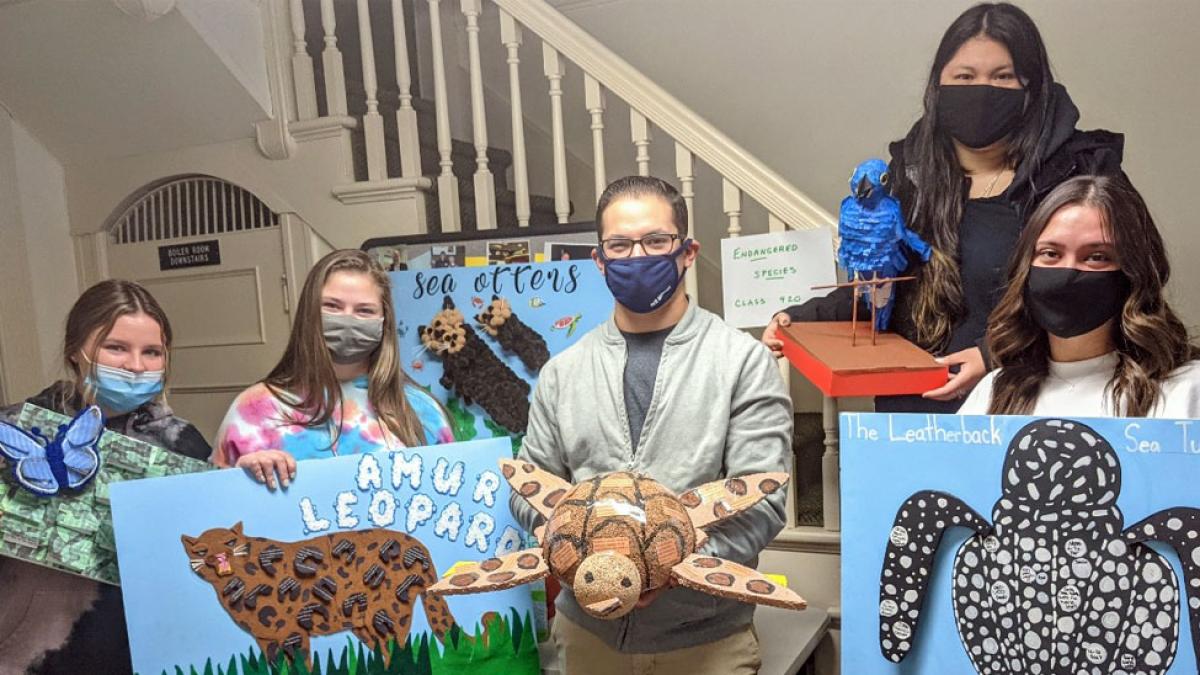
<point>719,409</point>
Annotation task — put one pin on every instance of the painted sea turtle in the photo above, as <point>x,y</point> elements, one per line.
<point>1055,586</point>
<point>617,535</point>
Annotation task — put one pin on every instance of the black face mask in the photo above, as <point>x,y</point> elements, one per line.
<point>978,115</point>
<point>1070,302</point>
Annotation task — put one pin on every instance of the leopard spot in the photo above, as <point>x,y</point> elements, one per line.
<point>528,468</point>
<point>736,485</point>
<point>553,498</point>
<point>528,561</point>
<point>760,587</point>
<point>500,577</point>
<point>719,579</point>
<point>530,488</point>
<point>690,500</point>
<point>507,470</point>
<point>769,486</point>
<point>707,563</point>
<point>491,565</point>
<point>464,579</point>
<point>721,509</point>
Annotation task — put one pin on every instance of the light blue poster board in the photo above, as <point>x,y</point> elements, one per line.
<point>452,498</point>
<point>885,459</point>
<point>561,301</point>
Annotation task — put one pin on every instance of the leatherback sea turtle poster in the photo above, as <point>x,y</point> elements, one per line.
<point>981,544</point>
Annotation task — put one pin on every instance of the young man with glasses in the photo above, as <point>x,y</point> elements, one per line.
<point>665,389</point>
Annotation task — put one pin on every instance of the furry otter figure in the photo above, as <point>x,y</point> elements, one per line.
<point>499,321</point>
<point>473,372</point>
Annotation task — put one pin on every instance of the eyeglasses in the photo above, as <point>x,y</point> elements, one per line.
<point>652,244</point>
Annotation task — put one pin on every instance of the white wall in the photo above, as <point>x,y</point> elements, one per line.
<point>813,87</point>
<point>37,270</point>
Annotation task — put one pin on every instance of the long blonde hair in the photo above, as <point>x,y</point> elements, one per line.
<point>93,315</point>
<point>306,368</point>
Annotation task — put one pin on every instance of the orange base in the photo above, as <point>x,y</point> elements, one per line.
<point>821,351</point>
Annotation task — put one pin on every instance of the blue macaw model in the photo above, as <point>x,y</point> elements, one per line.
<point>66,462</point>
<point>872,231</point>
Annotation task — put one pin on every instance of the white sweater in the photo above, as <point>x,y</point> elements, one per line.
<point>1080,389</point>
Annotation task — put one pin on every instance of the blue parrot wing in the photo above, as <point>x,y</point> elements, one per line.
<point>16,443</point>
<point>34,474</point>
<point>85,429</point>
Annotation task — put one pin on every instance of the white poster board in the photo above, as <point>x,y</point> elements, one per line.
<point>762,274</point>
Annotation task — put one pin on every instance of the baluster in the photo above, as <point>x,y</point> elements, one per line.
<point>185,229</point>
<point>831,498</point>
<point>447,184</point>
<point>510,36</point>
<point>406,115</point>
<point>732,199</point>
<point>485,183</point>
<point>206,207</point>
<point>774,224</point>
<point>593,95</point>
<point>640,130</point>
<point>302,66</point>
<point>331,62</point>
<point>552,65</point>
<point>372,120</point>
<point>686,170</point>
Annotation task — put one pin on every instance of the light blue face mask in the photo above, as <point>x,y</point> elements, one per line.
<point>122,391</point>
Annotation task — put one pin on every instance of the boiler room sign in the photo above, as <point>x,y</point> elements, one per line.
<point>762,274</point>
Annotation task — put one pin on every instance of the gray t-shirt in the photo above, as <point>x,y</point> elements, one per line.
<point>643,351</point>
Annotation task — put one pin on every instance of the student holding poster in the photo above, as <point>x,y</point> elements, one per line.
<point>115,351</point>
<point>1084,328</point>
<point>339,387</point>
<point>996,135</point>
<point>665,389</point>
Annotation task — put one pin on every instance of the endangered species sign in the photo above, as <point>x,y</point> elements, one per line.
<point>223,576</point>
<point>981,544</point>
<point>764,273</point>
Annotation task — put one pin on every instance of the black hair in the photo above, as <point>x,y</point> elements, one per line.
<point>632,187</point>
<point>936,206</point>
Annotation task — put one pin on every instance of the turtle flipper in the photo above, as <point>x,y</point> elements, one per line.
<point>540,488</point>
<point>731,580</point>
<point>494,574</point>
<point>713,502</point>
<point>1179,528</point>
<point>908,562</point>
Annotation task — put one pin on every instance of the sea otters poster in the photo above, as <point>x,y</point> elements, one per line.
<point>982,544</point>
<point>477,337</point>
<point>329,575</point>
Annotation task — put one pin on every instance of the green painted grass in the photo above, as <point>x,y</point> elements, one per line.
<point>504,646</point>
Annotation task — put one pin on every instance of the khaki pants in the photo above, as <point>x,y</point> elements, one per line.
<point>581,653</point>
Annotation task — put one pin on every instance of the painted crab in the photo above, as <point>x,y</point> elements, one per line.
<point>1055,586</point>
<point>617,535</point>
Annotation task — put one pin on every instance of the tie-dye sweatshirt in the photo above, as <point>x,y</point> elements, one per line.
<point>257,420</point>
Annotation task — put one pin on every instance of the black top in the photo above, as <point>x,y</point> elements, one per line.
<point>643,351</point>
<point>987,236</point>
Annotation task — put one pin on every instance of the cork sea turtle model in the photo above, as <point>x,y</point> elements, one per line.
<point>617,535</point>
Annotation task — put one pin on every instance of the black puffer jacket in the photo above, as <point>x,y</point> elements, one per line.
<point>53,623</point>
<point>1067,152</point>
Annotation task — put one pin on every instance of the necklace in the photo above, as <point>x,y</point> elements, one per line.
<point>988,193</point>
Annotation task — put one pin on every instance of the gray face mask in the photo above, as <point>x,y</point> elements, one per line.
<point>350,339</point>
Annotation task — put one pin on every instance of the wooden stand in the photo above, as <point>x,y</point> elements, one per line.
<point>889,366</point>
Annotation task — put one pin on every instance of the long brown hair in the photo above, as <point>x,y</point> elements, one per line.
<point>1151,340</point>
<point>938,189</point>
<point>305,370</point>
<point>93,316</point>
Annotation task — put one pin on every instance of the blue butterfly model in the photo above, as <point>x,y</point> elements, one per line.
<point>67,462</point>
<point>873,235</point>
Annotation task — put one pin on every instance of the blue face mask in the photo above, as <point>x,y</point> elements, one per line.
<point>122,391</point>
<point>645,283</point>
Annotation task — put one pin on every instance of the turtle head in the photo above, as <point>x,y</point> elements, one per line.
<point>607,585</point>
<point>1061,462</point>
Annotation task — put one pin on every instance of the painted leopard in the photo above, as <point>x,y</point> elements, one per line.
<point>282,593</point>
